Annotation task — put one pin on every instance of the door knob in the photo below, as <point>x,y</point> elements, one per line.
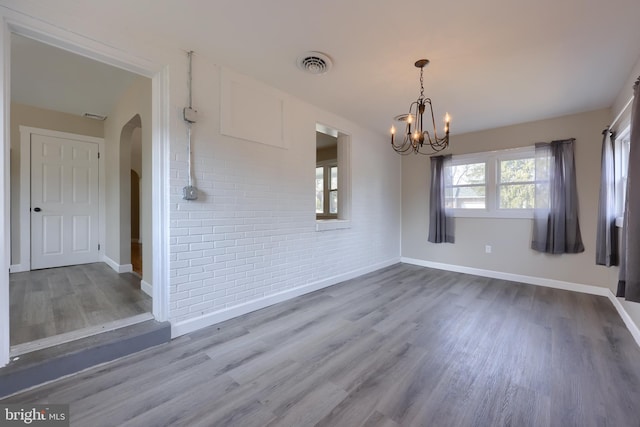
<point>37,209</point>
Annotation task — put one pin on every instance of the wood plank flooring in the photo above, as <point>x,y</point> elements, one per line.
<point>53,301</point>
<point>403,346</point>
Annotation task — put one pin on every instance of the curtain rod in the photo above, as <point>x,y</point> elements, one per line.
<point>621,112</point>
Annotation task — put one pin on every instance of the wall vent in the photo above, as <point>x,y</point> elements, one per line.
<point>94,116</point>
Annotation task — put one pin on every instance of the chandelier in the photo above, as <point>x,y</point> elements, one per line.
<point>415,134</point>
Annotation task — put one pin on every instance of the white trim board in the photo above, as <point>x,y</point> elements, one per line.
<point>118,268</point>
<point>18,268</point>
<point>628,321</point>
<point>190,325</point>
<point>538,281</point>
<point>5,234</point>
<point>146,288</point>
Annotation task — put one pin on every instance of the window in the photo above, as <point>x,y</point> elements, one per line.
<point>492,184</point>
<point>333,179</point>
<point>466,186</point>
<point>327,190</point>
<point>516,183</point>
<point>621,155</point>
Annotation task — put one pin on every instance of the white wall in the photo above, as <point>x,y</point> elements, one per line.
<point>251,234</point>
<point>135,101</point>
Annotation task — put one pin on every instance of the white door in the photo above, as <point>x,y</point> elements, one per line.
<point>64,202</point>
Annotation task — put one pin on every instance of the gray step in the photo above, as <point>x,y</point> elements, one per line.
<point>51,363</point>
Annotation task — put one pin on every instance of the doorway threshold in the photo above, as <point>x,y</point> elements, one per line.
<point>51,363</point>
<point>29,347</point>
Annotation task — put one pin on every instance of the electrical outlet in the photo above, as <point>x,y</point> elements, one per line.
<point>487,249</point>
<point>190,192</point>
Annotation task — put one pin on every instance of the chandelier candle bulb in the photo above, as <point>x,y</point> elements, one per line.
<point>393,132</point>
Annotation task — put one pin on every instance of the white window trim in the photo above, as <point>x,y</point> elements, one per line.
<point>623,135</point>
<point>491,160</point>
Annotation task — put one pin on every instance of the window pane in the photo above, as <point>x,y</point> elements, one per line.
<point>465,186</point>
<point>319,190</point>
<point>333,185</point>
<point>518,170</point>
<point>333,202</point>
<point>471,197</point>
<point>517,196</point>
<point>473,173</point>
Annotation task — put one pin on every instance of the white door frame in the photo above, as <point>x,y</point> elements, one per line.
<point>14,22</point>
<point>25,191</point>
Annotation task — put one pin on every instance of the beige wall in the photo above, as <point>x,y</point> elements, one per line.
<point>510,238</point>
<point>626,92</point>
<point>26,115</point>
<point>135,101</point>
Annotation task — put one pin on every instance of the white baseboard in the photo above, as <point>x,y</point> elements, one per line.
<point>628,321</point>
<point>125,268</point>
<point>531,280</point>
<point>190,325</point>
<point>18,268</point>
<point>146,288</point>
<point>538,281</point>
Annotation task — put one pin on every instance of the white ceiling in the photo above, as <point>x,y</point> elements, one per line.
<point>493,63</point>
<point>52,78</point>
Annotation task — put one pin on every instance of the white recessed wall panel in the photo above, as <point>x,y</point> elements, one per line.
<point>251,110</point>
<point>82,233</point>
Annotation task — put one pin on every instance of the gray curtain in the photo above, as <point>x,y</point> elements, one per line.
<point>556,229</point>
<point>606,235</point>
<point>629,283</point>
<point>440,225</point>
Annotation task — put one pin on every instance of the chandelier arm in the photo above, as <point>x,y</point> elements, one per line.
<point>433,120</point>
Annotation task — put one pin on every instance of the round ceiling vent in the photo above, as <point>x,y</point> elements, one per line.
<point>314,62</point>
<point>403,117</point>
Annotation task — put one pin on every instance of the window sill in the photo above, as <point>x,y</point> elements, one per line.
<point>619,221</point>
<point>332,224</point>
<point>484,213</point>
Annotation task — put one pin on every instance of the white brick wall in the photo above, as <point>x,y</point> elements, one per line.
<point>251,233</point>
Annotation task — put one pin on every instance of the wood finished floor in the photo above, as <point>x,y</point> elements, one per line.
<point>53,301</point>
<point>403,346</point>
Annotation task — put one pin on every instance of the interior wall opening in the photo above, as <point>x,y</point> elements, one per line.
<point>57,91</point>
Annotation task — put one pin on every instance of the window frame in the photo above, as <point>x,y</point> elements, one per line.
<point>326,165</point>
<point>469,160</point>
<point>621,146</point>
<point>492,161</point>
